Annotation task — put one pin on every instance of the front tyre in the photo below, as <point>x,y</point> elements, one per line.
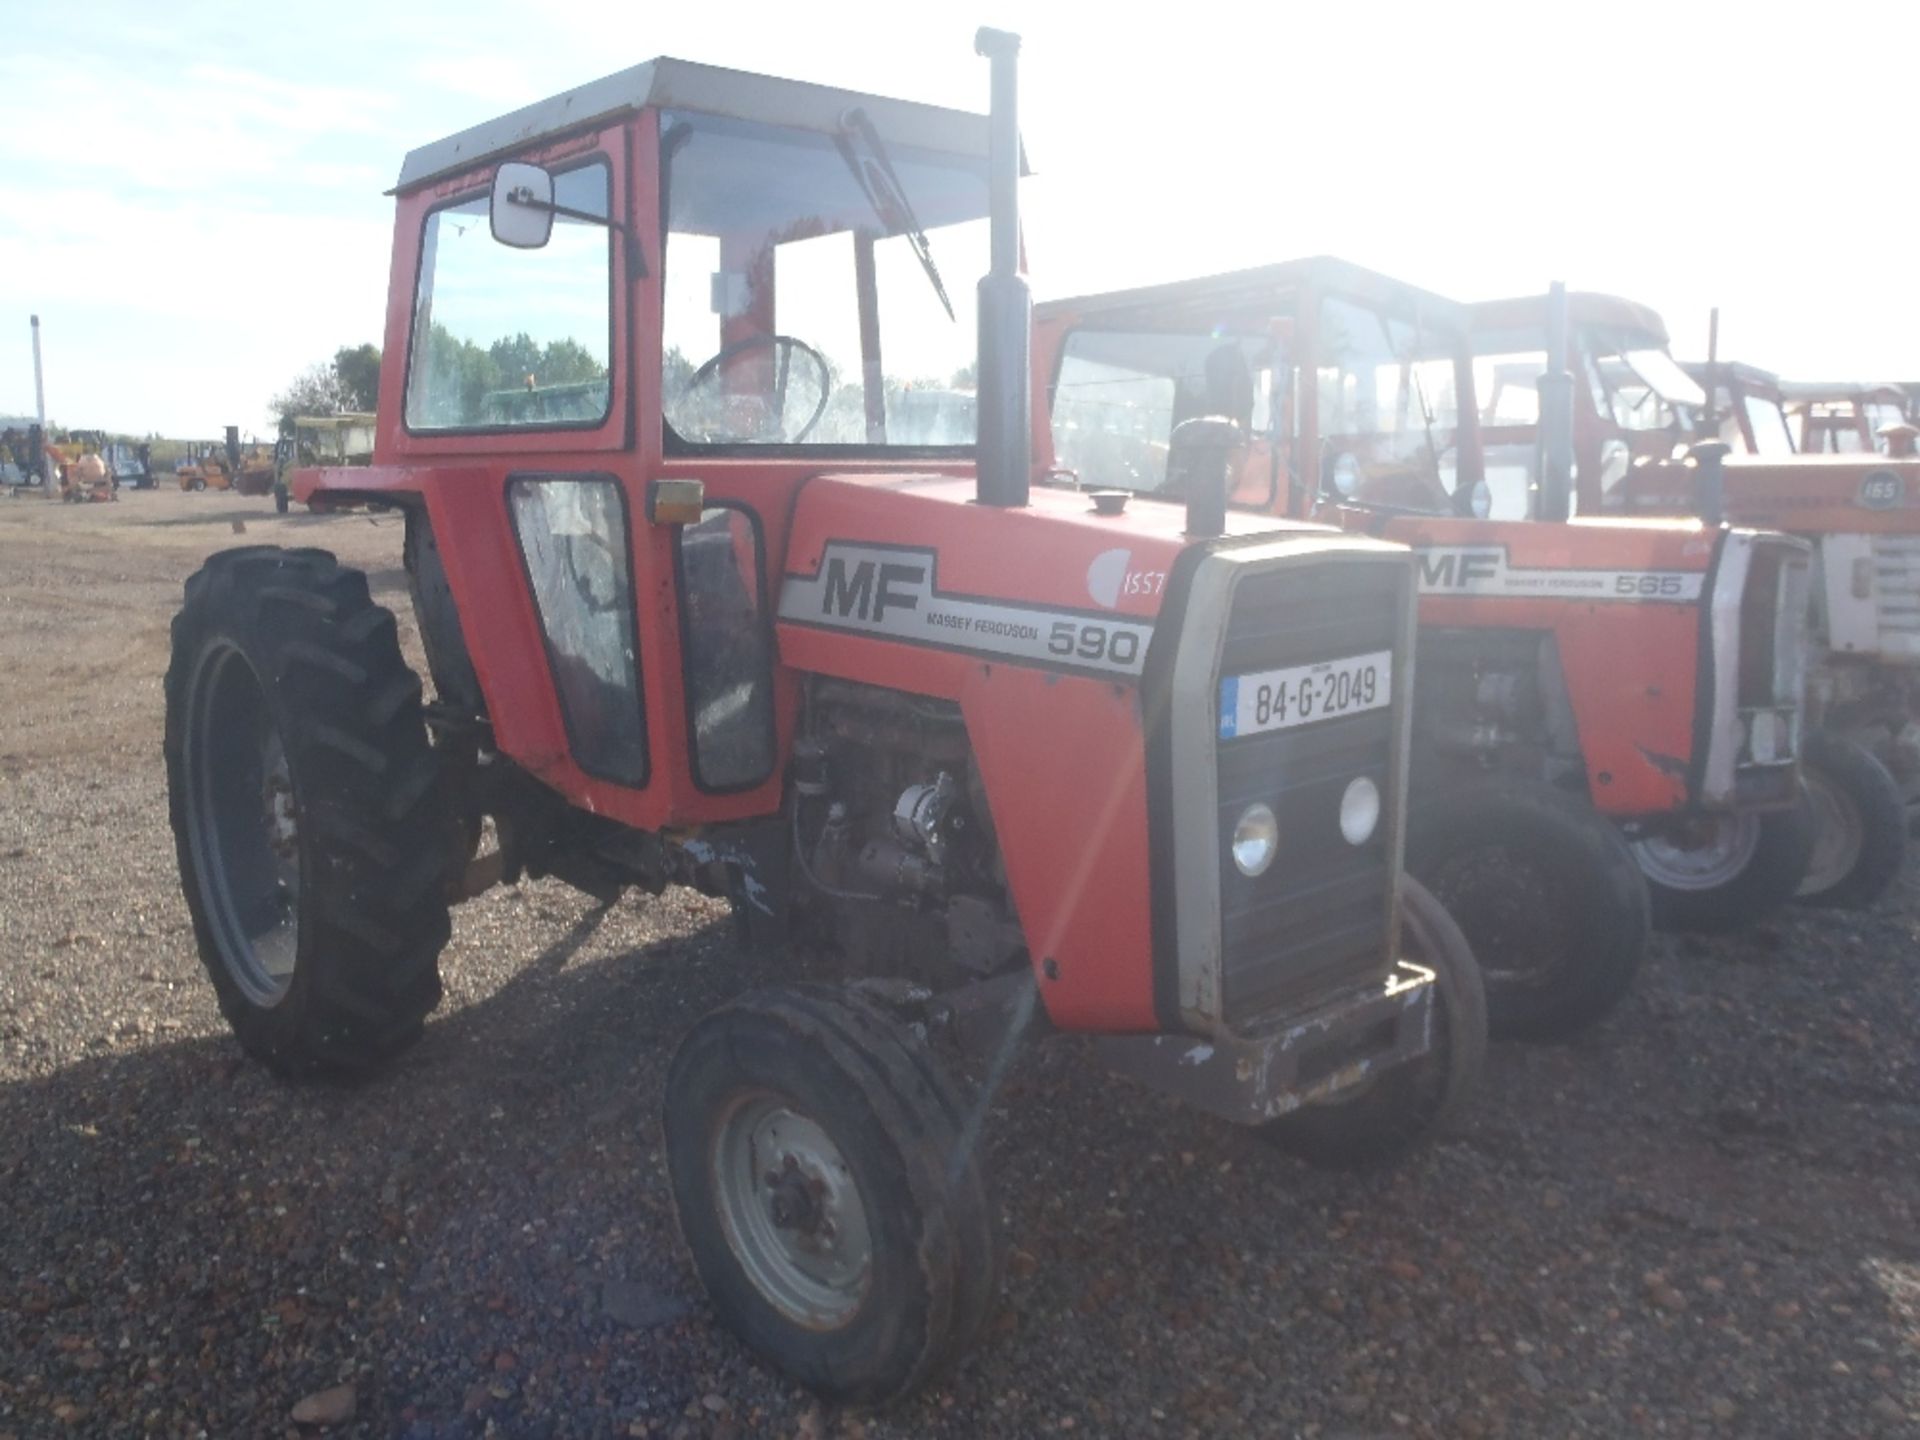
<point>839,1225</point>
<point>1548,897</point>
<point>1860,825</point>
<point>1726,872</point>
<point>307,811</point>
<point>1387,1116</point>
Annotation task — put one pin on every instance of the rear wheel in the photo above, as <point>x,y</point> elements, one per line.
<point>1386,1116</point>
<point>1726,872</point>
<point>838,1224</point>
<point>1547,896</point>
<point>307,811</point>
<point>1860,825</point>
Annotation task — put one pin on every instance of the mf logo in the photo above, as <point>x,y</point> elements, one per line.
<point>867,589</point>
<point>1458,569</point>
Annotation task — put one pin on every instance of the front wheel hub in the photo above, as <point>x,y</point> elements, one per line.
<point>792,1211</point>
<point>1700,855</point>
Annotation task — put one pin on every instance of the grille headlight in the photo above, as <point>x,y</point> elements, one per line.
<point>1256,840</point>
<point>1359,810</point>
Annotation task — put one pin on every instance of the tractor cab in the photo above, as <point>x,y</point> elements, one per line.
<point>1630,402</point>
<point>1341,383</point>
<point>1838,418</point>
<point>1745,409</point>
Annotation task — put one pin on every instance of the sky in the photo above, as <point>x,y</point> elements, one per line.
<point>191,195</point>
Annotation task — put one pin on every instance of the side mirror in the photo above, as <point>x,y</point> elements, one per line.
<point>521,212</point>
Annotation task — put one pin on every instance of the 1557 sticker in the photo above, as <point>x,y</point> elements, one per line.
<point>1302,694</point>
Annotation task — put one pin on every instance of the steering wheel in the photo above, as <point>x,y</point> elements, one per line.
<point>784,347</point>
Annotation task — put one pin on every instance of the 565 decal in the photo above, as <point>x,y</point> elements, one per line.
<point>1483,570</point>
<point>893,592</point>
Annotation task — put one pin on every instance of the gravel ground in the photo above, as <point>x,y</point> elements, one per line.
<point>1697,1220</point>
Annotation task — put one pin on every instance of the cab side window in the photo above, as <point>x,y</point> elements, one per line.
<point>727,648</point>
<point>514,339</point>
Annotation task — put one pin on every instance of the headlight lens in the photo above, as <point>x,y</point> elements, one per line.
<point>1360,810</point>
<point>1346,473</point>
<point>1256,839</point>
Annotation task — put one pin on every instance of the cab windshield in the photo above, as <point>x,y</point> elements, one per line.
<point>818,288</point>
<point>1385,390</point>
<point>1771,434</point>
<point>1641,388</point>
<point>1120,393</point>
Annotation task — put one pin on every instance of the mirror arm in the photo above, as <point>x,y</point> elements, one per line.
<point>636,262</point>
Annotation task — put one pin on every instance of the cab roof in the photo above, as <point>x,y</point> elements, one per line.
<point>1708,373</point>
<point>686,85</point>
<point>1584,307</point>
<point>1819,390</point>
<point>1251,288</point>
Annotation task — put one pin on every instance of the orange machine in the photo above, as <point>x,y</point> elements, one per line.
<point>1860,513</point>
<point>1577,682</point>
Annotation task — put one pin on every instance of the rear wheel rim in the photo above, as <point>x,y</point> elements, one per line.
<point>791,1211</point>
<point>243,826</point>
<point>1726,846</point>
<point>1839,834</point>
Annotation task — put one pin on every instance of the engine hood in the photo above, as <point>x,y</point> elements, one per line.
<point>1802,494</point>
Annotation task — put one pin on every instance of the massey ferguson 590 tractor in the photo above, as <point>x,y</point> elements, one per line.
<point>1575,681</point>
<point>1631,406</point>
<point>709,597</point>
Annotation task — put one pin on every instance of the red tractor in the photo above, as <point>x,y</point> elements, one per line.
<point>1577,682</point>
<point>1631,408</point>
<point>739,612</point>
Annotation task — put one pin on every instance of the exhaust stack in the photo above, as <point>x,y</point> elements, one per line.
<point>1556,414</point>
<point>1005,402</point>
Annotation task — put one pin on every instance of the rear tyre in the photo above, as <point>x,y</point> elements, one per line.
<point>839,1227</point>
<point>1728,872</point>
<point>1390,1115</point>
<point>1860,825</point>
<point>307,811</point>
<point>1546,894</point>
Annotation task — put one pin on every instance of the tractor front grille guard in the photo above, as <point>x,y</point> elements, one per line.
<point>1303,620</point>
<point>1755,678</point>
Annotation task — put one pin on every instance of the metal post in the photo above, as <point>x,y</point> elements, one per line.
<point>39,407</point>
<point>1556,414</point>
<point>1709,461</point>
<point>1005,374</point>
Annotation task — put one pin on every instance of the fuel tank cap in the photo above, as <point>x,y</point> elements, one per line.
<point>1109,502</point>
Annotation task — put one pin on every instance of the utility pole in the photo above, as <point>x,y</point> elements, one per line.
<point>39,404</point>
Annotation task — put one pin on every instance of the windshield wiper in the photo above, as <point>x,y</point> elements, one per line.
<point>886,195</point>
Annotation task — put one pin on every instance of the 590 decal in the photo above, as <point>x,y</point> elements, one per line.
<point>892,593</point>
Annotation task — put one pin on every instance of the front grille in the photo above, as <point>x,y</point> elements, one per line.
<point>1318,917</point>
<point>1896,587</point>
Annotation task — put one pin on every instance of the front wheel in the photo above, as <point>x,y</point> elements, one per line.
<point>1860,825</point>
<point>826,1193</point>
<point>1725,872</point>
<point>1386,1116</point>
<point>1546,894</point>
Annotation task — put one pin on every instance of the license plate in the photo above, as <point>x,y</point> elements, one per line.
<point>1304,694</point>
